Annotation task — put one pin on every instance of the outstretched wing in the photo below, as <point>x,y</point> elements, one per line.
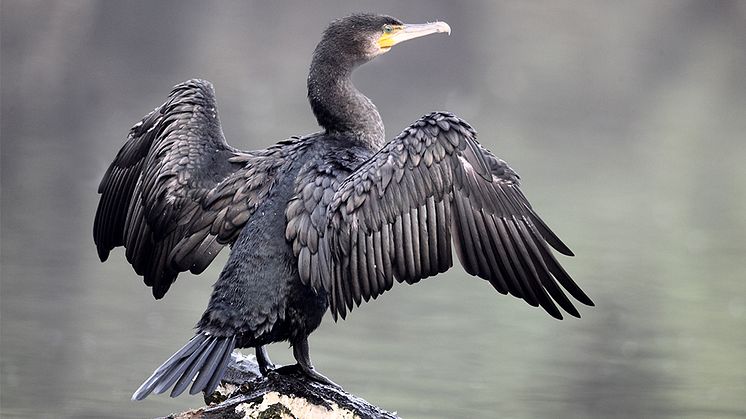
<point>177,192</point>
<point>394,217</point>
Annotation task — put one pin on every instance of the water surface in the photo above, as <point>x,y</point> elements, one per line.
<point>626,122</point>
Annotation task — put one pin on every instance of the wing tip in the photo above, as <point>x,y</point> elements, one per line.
<point>159,291</point>
<point>103,253</point>
<point>573,311</point>
<point>586,300</point>
<point>564,250</point>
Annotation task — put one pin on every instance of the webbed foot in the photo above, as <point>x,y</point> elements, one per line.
<point>300,351</point>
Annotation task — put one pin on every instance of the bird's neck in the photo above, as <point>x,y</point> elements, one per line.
<point>339,107</point>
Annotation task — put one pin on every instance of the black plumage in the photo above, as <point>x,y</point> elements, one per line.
<point>330,219</point>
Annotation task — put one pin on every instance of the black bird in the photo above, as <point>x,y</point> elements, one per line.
<point>326,220</point>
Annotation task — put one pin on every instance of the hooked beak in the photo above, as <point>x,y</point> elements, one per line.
<point>410,31</point>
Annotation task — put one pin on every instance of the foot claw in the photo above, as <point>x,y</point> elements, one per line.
<point>317,376</point>
<point>266,369</point>
<point>309,373</point>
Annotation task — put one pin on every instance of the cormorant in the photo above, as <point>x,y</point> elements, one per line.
<point>326,220</point>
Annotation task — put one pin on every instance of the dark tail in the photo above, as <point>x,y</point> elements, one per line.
<point>205,355</point>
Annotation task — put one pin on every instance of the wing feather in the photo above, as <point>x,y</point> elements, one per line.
<point>177,193</point>
<point>394,217</point>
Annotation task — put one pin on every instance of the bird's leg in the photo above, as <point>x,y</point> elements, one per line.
<point>300,352</point>
<point>262,358</point>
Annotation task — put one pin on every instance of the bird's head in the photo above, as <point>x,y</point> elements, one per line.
<point>346,44</point>
<point>361,37</point>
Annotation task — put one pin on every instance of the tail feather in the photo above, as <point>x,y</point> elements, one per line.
<point>203,354</point>
<point>211,366</point>
<point>221,367</point>
<point>188,377</point>
<point>177,370</point>
<point>149,385</point>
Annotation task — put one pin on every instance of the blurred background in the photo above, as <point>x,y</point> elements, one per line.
<point>626,121</point>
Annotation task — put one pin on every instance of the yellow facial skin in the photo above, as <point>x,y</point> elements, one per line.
<point>394,34</point>
<point>387,40</point>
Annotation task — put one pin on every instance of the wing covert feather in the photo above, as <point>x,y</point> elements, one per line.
<point>306,212</point>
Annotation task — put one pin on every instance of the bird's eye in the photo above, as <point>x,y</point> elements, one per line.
<point>388,28</point>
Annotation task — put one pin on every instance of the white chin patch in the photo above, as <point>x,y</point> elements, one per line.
<point>374,50</point>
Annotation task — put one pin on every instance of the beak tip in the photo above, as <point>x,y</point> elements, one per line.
<point>444,27</point>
